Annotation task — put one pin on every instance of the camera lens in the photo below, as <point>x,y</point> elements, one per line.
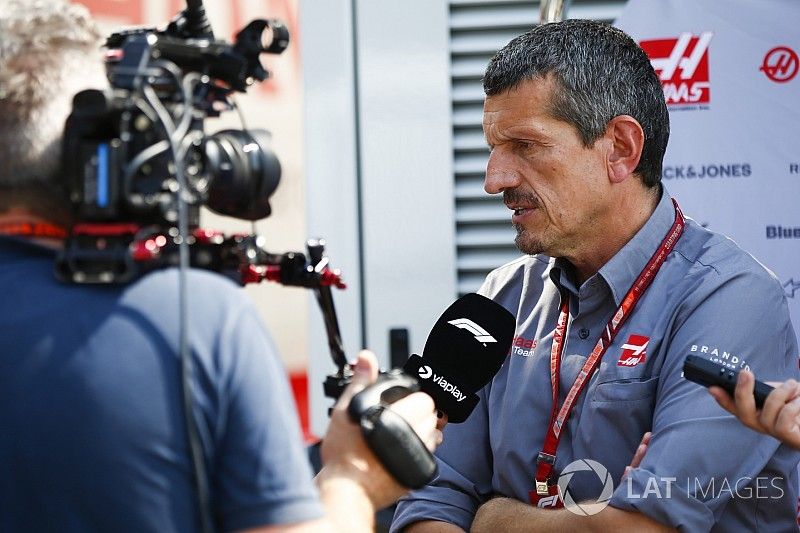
<point>243,171</point>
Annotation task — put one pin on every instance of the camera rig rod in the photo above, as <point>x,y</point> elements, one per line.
<point>245,257</point>
<point>114,253</point>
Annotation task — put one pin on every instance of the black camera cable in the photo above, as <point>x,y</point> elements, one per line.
<point>200,473</point>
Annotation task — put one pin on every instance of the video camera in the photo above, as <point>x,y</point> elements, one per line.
<point>118,162</point>
<point>136,156</point>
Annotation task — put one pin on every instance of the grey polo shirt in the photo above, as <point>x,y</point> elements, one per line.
<point>703,470</point>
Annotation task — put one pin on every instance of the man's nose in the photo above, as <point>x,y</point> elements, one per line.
<point>500,174</point>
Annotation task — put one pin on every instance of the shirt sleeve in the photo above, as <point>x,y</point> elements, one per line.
<point>262,473</point>
<point>464,479</point>
<point>700,456</point>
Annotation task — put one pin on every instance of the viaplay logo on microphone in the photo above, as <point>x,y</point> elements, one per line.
<point>426,372</point>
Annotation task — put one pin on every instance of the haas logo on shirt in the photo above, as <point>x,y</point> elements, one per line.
<point>634,351</point>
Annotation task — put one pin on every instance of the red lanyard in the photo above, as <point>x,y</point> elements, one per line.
<point>33,229</point>
<point>558,417</point>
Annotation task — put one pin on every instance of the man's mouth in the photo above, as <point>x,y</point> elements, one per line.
<point>521,203</point>
<point>520,213</point>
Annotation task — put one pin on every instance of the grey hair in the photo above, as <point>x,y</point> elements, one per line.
<point>601,73</point>
<point>49,50</point>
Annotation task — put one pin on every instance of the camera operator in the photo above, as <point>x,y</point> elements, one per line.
<point>94,437</point>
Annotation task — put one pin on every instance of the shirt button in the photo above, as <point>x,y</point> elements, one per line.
<point>583,333</point>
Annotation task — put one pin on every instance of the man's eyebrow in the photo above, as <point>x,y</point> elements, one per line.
<point>525,132</point>
<point>518,132</point>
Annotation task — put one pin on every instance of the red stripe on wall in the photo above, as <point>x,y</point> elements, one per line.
<point>299,382</point>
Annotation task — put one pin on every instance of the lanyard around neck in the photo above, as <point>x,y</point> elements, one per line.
<point>558,417</point>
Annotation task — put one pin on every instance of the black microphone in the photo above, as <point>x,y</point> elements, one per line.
<point>464,351</point>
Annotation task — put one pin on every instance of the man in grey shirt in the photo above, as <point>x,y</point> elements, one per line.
<point>616,289</point>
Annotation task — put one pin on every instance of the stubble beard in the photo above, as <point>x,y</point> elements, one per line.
<point>526,242</point>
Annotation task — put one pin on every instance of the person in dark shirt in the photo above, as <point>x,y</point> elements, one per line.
<point>93,432</point>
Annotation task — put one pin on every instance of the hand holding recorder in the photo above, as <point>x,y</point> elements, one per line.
<point>780,415</point>
<point>772,408</point>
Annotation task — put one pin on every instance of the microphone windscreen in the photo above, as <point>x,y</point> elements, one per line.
<point>464,351</point>
<point>471,339</point>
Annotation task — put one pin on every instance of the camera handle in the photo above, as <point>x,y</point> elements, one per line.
<point>388,435</point>
<point>314,272</point>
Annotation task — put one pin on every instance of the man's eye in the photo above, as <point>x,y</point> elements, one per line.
<point>524,145</point>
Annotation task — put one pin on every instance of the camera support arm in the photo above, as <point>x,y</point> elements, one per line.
<point>244,258</point>
<point>113,253</point>
<point>314,273</point>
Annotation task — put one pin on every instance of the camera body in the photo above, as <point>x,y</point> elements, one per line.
<point>138,153</point>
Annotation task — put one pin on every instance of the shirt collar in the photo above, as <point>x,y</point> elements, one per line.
<point>561,273</point>
<point>621,271</point>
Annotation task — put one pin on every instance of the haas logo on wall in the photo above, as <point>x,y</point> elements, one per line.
<point>682,66</point>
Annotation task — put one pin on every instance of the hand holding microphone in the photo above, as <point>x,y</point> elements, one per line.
<point>465,349</point>
<point>346,456</point>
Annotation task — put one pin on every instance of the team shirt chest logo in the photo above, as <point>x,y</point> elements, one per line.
<point>634,351</point>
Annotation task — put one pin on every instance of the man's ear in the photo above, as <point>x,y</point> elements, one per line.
<point>627,141</point>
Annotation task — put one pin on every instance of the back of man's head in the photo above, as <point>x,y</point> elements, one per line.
<point>49,50</point>
<point>601,73</point>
